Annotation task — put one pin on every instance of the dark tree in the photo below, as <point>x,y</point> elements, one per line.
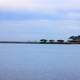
<point>43,41</point>
<point>73,37</point>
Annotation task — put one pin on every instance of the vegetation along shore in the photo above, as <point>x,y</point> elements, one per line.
<point>71,40</point>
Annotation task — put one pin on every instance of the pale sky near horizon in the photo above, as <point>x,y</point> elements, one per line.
<point>35,19</point>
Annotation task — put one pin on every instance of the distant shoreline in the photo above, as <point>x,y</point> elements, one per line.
<point>23,42</point>
<point>71,40</point>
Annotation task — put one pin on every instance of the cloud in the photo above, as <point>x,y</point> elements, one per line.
<point>39,9</point>
<point>73,15</point>
<point>44,5</point>
<point>30,16</point>
<point>34,19</point>
<point>37,15</point>
<point>37,29</point>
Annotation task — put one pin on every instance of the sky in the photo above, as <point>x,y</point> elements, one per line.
<point>36,19</point>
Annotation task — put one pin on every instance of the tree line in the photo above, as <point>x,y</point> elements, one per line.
<point>71,39</point>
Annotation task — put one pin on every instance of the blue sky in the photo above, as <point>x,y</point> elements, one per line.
<point>36,19</point>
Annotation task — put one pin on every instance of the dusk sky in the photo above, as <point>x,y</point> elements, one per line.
<point>36,19</point>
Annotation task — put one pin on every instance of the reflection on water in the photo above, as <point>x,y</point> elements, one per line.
<point>39,62</point>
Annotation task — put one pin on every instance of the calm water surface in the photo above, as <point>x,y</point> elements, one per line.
<point>39,62</point>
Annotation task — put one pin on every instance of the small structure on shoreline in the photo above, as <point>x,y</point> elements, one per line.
<point>51,41</point>
<point>60,41</point>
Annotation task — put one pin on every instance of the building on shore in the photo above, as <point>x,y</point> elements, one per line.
<point>51,41</point>
<point>60,41</point>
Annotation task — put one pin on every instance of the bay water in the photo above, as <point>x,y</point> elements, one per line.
<point>39,62</point>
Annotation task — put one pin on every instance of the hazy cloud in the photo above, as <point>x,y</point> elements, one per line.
<point>44,5</point>
<point>39,9</point>
<point>34,19</point>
